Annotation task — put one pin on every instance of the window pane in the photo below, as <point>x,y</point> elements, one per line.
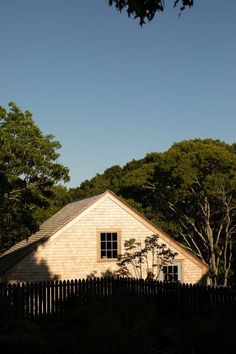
<point>165,269</point>
<point>103,245</point>
<point>114,254</point>
<point>114,245</point>
<point>103,236</point>
<point>114,236</point>
<point>108,236</point>
<point>109,245</point>
<point>175,269</point>
<point>103,254</point>
<point>109,255</point>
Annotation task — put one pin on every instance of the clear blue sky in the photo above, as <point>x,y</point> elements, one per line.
<point>111,91</point>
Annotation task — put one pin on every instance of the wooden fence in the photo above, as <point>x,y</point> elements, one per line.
<point>47,299</point>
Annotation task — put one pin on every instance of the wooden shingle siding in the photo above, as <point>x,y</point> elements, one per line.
<point>72,254</point>
<point>55,223</point>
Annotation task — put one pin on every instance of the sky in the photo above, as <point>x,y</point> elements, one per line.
<point>111,91</point>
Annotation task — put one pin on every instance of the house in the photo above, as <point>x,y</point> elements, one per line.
<point>85,237</point>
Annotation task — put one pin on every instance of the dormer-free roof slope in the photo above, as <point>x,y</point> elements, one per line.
<point>66,215</point>
<point>46,230</point>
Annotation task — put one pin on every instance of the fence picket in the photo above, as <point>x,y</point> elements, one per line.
<point>56,301</point>
<point>44,299</point>
<point>52,297</point>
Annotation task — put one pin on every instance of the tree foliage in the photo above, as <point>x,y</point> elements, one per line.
<point>144,261</point>
<point>28,170</point>
<point>194,185</point>
<point>146,10</point>
<point>189,191</point>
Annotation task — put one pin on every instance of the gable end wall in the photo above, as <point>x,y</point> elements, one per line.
<point>74,253</point>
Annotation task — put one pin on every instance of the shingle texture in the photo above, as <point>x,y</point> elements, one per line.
<point>47,229</point>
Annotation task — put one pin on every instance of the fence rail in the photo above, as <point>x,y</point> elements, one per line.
<point>46,299</point>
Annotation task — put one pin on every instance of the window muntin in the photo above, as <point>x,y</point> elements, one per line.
<point>171,273</point>
<point>108,245</point>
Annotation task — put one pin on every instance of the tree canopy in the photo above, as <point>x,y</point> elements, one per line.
<point>146,10</point>
<point>189,191</point>
<point>28,171</point>
<point>194,186</point>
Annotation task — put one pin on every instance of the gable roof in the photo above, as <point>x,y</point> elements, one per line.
<point>46,230</point>
<point>69,212</point>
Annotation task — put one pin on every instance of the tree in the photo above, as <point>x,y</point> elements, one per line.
<point>58,198</point>
<point>146,9</point>
<point>28,170</point>
<point>146,260</point>
<point>194,186</point>
<point>189,191</point>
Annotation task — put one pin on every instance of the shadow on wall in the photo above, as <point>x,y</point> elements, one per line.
<point>31,271</point>
<point>109,273</point>
<point>21,265</point>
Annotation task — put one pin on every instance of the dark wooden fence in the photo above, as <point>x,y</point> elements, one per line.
<point>47,299</point>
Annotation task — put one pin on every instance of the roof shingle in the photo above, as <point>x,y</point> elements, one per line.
<point>46,230</point>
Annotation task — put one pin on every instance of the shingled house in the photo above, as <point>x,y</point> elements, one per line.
<point>85,237</point>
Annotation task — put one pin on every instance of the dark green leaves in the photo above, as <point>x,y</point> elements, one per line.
<point>28,170</point>
<point>145,10</point>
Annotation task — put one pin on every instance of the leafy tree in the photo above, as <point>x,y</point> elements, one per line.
<point>194,186</point>
<point>146,260</point>
<point>28,170</point>
<point>110,179</point>
<point>58,198</point>
<point>189,191</point>
<point>146,9</point>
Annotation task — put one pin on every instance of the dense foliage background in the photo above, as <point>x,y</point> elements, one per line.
<point>188,190</point>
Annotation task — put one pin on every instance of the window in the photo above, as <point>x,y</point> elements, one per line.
<point>171,273</point>
<point>108,245</point>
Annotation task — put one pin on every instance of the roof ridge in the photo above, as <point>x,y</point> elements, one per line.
<point>92,196</point>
